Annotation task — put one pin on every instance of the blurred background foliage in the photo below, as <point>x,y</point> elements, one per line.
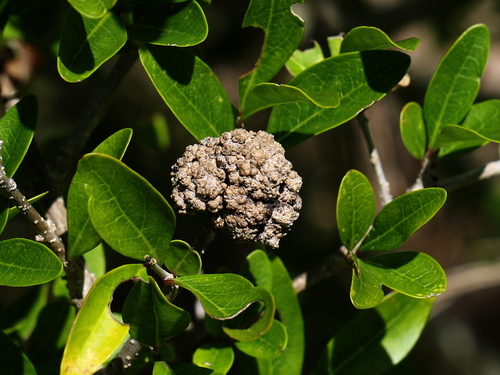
<point>462,337</point>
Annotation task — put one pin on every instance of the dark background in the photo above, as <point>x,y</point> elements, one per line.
<point>464,337</point>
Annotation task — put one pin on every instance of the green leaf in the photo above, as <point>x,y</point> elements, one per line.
<point>377,339</point>
<point>15,361</point>
<point>334,44</point>
<point>400,218</point>
<point>169,24</point>
<point>361,78</point>
<point>82,237</point>
<point>14,211</point>
<point>179,368</point>
<point>17,128</point>
<point>269,346</point>
<point>366,291</point>
<point>92,8</point>
<point>301,60</point>
<point>127,212</point>
<point>481,125</point>
<point>455,84</point>
<point>95,334</point>
<point>217,357</point>
<point>225,296</point>
<point>365,38</point>
<point>414,274</point>
<point>355,208</point>
<point>152,317</point>
<point>266,95</point>
<point>283,32</point>
<point>182,260</point>
<point>262,269</point>
<point>413,131</point>
<point>95,260</point>
<point>193,93</point>
<point>25,262</point>
<point>87,43</point>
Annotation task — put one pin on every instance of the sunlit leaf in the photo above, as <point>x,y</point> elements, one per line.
<point>152,317</point>
<point>24,262</point>
<point>365,38</point>
<point>413,131</point>
<point>377,339</point>
<point>301,60</point>
<point>126,211</point>
<point>283,32</point>
<point>169,24</point>
<point>179,368</point>
<point>216,357</point>
<point>92,8</point>
<point>355,208</point>
<point>269,346</point>
<point>182,260</point>
<point>82,237</point>
<point>266,95</point>
<point>361,78</point>
<point>401,217</point>
<point>87,43</point>
<point>95,334</point>
<point>186,90</point>
<point>455,83</point>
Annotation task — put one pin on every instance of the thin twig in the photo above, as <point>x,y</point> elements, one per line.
<point>489,170</point>
<point>45,230</point>
<point>425,177</point>
<point>328,267</point>
<point>384,186</point>
<point>93,114</point>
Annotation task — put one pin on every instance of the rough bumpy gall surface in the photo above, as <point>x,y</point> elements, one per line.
<point>244,181</point>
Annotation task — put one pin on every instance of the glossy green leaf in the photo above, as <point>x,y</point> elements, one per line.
<point>365,38</point>
<point>24,262</point>
<point>225,296</point>
<point>301,60</point>
<point>413,131</point>
<point>217,357</point>
<point>193,93</point>
<point>17,128</point>
<point>95,260</point>
<point>127,212</point>
<point>414,274</point>
<point>455,83</point>
<point>334,44</point>
<point>262,269</point>
<point>377,339</point>
<point>182,260</point>
<point>179,368</point>
<point>15,361</point>
<point>269,346</point>
<point>169,24</point>
<point>366,291</point>
<point>400,218</point>
<point>355,208</point>
<point>92,8</point>
<point>361,78</point>
<point>82,237</point>
<point>481,125</point>
<point>283,32</point>
<point>152,317</point>
<point>87,43</point>
<point>95,334</point>
<point>266,95</point>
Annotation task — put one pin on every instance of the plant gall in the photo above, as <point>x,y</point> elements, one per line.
<point>245,183</point>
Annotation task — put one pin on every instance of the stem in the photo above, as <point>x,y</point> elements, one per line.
<point>328,267</point>
<point>46,232</point>
<point>93,114</point>
<point>489,170</point>
<point>384,186</point>
<point>425,178</point>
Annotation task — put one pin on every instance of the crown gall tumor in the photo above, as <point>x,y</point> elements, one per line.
<point>244,181</point>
